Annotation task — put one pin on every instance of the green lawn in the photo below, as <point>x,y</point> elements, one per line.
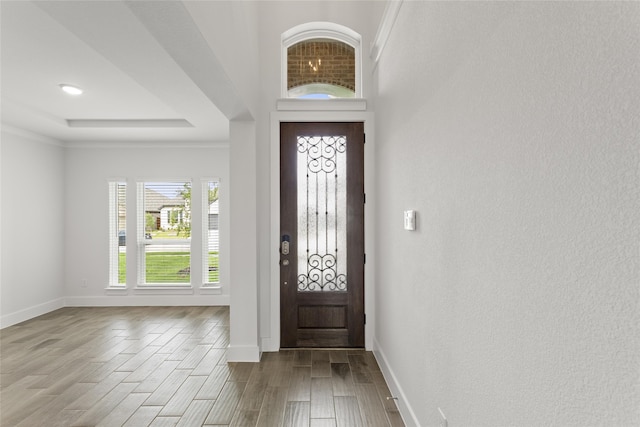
<point>166,234</point>
<point>169,267</point>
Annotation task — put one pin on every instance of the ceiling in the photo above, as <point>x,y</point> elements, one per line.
<point>137,69</point>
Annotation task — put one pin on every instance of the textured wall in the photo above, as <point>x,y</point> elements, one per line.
<point>513,130</point>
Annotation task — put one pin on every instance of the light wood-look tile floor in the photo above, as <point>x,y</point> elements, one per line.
<point>166,366</point>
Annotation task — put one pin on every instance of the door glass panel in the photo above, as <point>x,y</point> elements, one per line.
<point>322,213</point>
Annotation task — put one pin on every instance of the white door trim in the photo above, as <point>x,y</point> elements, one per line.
<point>272,343</point>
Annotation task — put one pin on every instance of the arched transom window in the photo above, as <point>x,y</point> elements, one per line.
<point>321,60</point>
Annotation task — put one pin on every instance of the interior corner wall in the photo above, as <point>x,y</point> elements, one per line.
<point>512,129</point>
<point>32,247</point>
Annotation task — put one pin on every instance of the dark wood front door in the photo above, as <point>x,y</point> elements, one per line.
<point>322,234</point>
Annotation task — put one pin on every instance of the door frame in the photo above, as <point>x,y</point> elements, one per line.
<point>271,341</point>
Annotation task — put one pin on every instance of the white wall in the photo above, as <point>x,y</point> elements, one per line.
<point>244,310</point>
<point>32,227</point>
<point>88,171</point>
<point>230,28</point>
<point>512,129</point>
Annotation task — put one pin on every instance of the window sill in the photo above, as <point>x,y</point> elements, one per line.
<point>116,290</point>
<point>208,289</point>
<point>164,290</point>
<point>211,289</point>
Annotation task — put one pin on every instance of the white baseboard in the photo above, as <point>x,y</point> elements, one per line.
<point>268,345</point>
<point>112,301</point>
<point>406,412</point>
<point>146,300</point>
<point>30,312</point>
<point>243,353</point>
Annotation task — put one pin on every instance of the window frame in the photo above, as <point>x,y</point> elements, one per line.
<point>141,243</point>
<point>199,280</point>
<point>114,244</point>
<point>320,30</point>
<point>204,186</point>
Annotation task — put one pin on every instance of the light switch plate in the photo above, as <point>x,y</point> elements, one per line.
<point>410,220</point>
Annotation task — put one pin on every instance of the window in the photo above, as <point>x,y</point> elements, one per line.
<point>321,60</point>
<point>321,68</point>
<point>117,234</point>
<point>167,221</point>
<point>211,233</point>
<point>164,233</point>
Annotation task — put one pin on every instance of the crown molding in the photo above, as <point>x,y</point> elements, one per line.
<point>384,30</point>
<point>33,136</point>
<point>128,123</point>
<point>146,144</point>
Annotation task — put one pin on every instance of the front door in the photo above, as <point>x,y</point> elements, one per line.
<point>322,234</point>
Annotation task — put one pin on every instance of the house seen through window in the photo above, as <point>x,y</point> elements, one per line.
<point>164,233</point>
<point>321,69</point>
<point>321,60</point>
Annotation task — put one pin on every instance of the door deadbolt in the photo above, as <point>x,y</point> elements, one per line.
<point>284,245</point>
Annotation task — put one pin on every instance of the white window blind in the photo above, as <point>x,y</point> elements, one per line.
<point>164,233</point>
<point>211,232</point>
<point>117,233</point>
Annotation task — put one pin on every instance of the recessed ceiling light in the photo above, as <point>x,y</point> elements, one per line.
<point>71,90</point>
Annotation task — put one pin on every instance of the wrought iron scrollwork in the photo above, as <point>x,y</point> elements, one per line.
<point>322,275</point>
<point>321,156</point>
<point>321,152</point>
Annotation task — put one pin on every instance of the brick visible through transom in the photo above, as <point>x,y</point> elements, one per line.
<point>334,63</point>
